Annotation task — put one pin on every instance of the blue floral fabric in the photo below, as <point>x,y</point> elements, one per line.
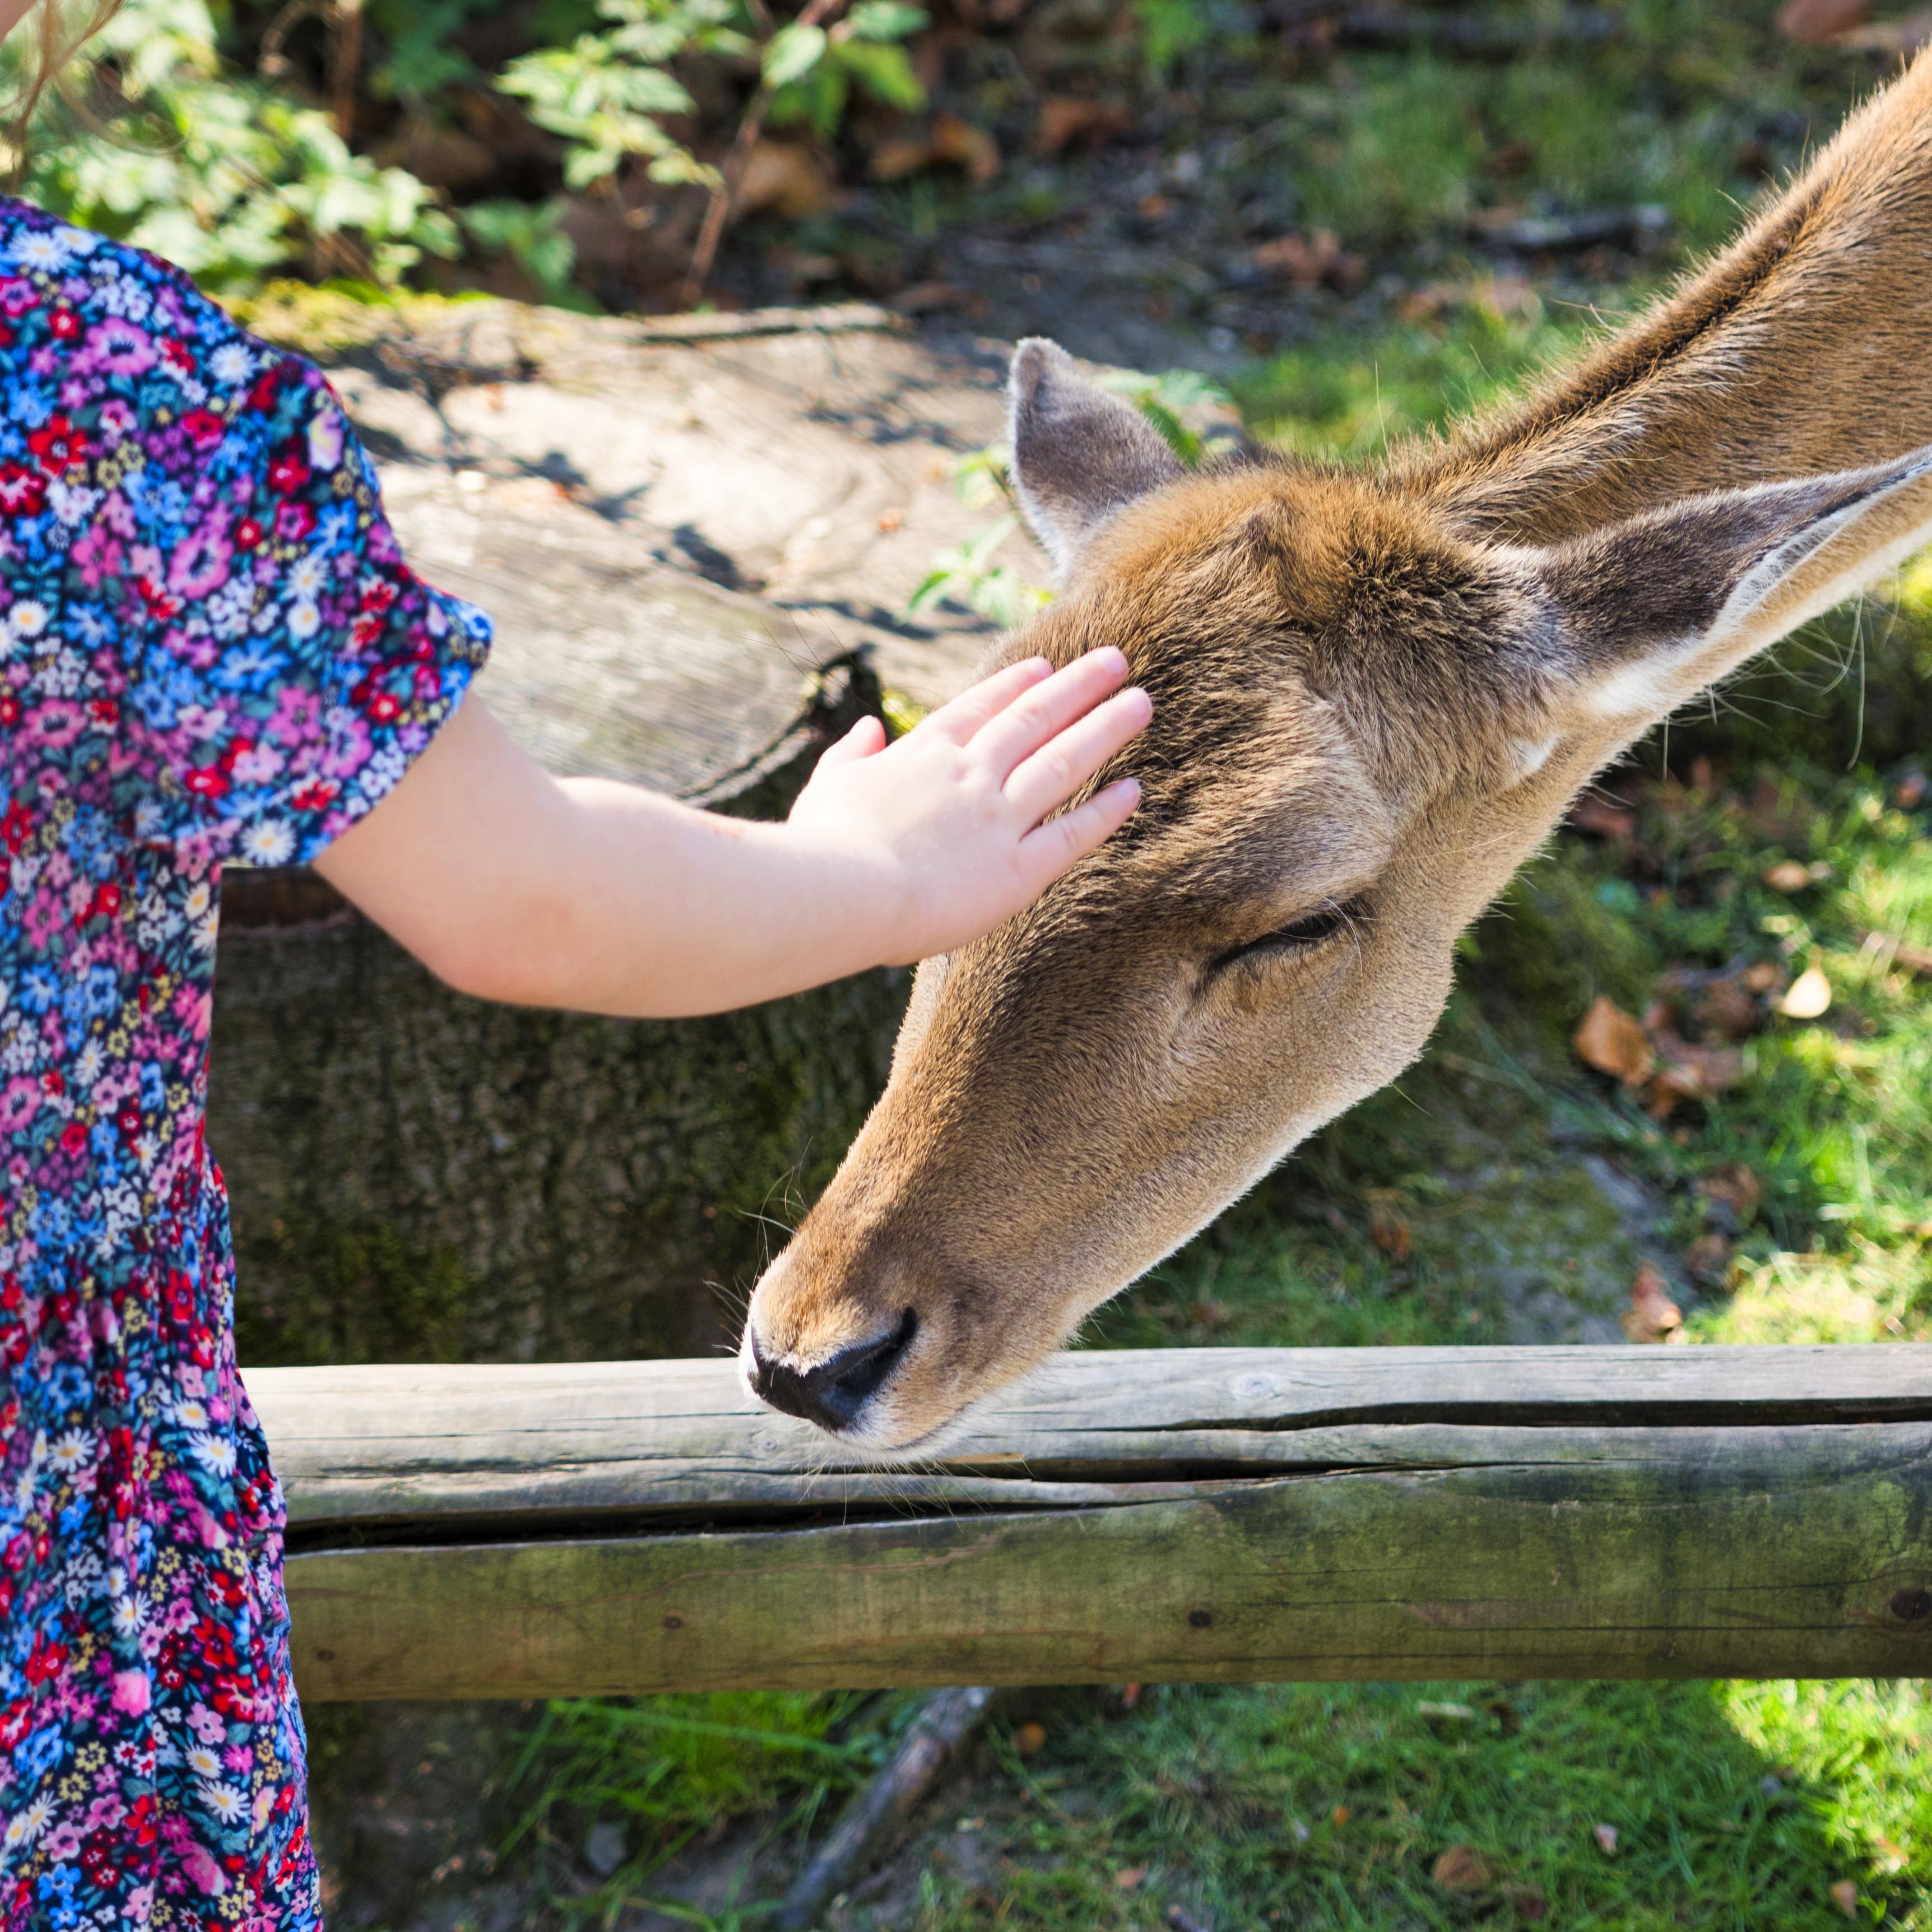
<point>210,649</point>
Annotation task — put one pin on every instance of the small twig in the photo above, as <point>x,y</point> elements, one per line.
<point>946,1721</point>
<point>345,57</point>
<point>731,172</point>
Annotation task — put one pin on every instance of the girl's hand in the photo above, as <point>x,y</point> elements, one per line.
<point>948,819</point>
<point>514,885</point>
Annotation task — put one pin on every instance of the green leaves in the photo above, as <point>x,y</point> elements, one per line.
<point>222,174</point>
<point>792,53</point>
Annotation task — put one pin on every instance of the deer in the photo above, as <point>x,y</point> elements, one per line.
<point>1376,692</point>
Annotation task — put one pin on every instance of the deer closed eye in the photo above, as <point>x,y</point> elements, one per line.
<point>1301,935</point>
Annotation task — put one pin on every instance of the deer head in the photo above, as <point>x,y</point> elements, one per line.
<point>1373,697</point>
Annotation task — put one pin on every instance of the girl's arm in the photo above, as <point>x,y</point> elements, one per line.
<point>584,893</point>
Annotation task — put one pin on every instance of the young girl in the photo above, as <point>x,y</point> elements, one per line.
<point>211,649</point>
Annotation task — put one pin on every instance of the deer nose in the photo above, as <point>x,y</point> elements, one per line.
<point>832,1392</point>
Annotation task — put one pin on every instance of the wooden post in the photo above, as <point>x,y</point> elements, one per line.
<point>1205,1514</point>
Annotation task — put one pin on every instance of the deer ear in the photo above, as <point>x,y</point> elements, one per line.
<point>1080,456</point>
<point>1651,611</point>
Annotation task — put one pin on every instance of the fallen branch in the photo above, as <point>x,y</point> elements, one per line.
<point>947,1719</point>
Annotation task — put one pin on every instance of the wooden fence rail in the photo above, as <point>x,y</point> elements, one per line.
<point>1230,1513</point>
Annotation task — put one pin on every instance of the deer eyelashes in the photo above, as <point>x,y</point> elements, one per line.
<point>1302,935</point>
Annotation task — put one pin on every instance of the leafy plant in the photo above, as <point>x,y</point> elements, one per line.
<point>609,93</point>
<point>812,70</point>
<point>218,172</point>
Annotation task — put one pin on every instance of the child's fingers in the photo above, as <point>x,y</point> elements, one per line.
<point>1047,708</point>
<point>1050,849</point>
<point>1046,780</point>
<point>961,717</point>
<point>865,739</point>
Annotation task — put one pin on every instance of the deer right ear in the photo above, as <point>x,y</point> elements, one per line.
<point>1080,456</point>
<point>1651,611</point>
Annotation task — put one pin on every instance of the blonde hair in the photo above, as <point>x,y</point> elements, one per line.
<point>56,33</point>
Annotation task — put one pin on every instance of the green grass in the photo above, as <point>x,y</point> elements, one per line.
<point>1322,1807</point>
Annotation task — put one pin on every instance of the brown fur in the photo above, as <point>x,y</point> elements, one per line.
<point>1373,693</point>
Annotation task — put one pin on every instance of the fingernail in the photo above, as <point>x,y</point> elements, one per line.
<point>1114,652</point>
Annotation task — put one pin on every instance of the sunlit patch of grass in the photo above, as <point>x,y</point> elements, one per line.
<point>1871,1294</point>
<point>1326,1808</point>
<point>1349,398</point>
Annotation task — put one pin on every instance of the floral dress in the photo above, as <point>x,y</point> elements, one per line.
<point>210,649</point>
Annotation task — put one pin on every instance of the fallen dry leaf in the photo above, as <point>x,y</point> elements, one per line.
<point>1688,1072</point>
<point>1606,1836</point>
<point>971,150</point>
<point>895,160</point>
<point>1128,1878</point>
<point>928,297</point>
<point>1613,1041</point>
<point>1462,1868</point>
<point>1788,876</point>
<point>1527,1901</point>
<point>1309,263</point>
<point>1909,794</point>
<point>1652,1316</point>
<point>1388,1228</point>
<point>891,520</point>
<point>1812,22</point>
<point>1028,1738</point>
<point>1766,976</point>
<point>1130,1695</point>
<point>1339,1816</point>
<point>1708,1259</point>
<point>1845,1897</point>
<point>1726,1007</point>
<point>1810,995</point>
<point>1066,119</point>
<point>785,176</point>
<point>1734,1190</point>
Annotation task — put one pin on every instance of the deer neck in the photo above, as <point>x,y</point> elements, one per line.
<point>1799,350</point>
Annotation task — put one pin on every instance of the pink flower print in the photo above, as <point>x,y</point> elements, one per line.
<point>115,347</point>
<point>190,1008</point>
<point>57,722</point>
<point>297,718</point>
<point>117,419</point>
<point>63,1842</point>
<point>104,1813</point>
<point>202,1871</point>
<point>199,567</point>
<point>238,1757</point>
<point>349,752</point>
<point>325,439</point>
<point>206,1725</point>
<point>131,1692</point>
<point>17,296</point>
<point>256,766</point>
<point>97,556</point>
<point>42,920</point>
<point>20,1101</point>
<point>203,721</point>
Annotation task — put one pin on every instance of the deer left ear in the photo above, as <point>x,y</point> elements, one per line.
<point>1080,456</point>
<point>1648,613</point>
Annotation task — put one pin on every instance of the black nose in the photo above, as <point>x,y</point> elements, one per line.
<point>831,1392</point>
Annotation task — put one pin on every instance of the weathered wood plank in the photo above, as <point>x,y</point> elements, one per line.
<point>1232,1513</point>
<point>372,1445</point>
<point>1769,1552</point>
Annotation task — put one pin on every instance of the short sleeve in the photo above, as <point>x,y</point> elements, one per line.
<point>290,665</point>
